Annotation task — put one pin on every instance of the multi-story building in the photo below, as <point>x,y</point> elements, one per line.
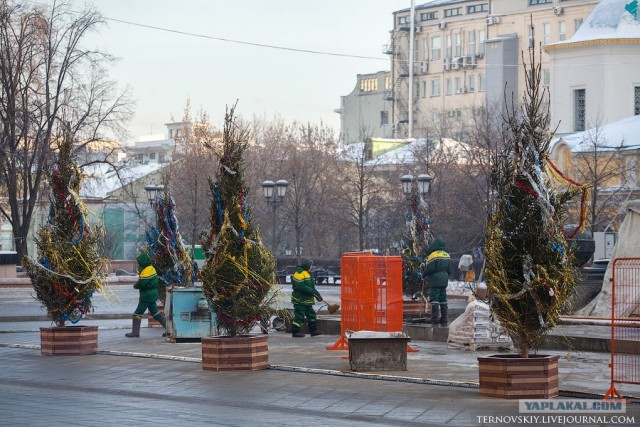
<point>467,55</point>
<point>366,111</point>
<point>158,148</point>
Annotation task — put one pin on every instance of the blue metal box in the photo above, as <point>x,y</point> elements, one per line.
<point>188,314</point>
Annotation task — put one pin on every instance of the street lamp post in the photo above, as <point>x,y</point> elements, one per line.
<point>416,232</point>
<point>274,200</point>
<point>153,191</point>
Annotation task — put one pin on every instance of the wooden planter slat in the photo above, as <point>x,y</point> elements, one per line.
<point>69,340</point>
<point>516,378</point>
<point>248,353</point>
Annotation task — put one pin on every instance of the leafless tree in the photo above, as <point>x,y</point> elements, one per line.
<point>304,156</point>
<point>190,173</point>
<point>362,188</point>
<point>606,167</point>
<point>48,82</point>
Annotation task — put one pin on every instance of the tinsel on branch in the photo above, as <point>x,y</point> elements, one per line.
<point>67,270</point>
<point>239,273</point>
<point>166,248</point>
<point>415,242</point>
<point>529,269</point>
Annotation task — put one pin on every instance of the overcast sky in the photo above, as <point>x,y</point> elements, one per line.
<point>165,68</point>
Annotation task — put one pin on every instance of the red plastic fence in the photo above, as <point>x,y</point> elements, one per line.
<point>625,324</point>
<point>371,295</point>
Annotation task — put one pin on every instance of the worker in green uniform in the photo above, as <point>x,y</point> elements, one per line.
<point>437,273</point>
<point>303,297</point>
<point>148,285</point>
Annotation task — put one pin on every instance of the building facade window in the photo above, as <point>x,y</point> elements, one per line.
<point>435,47</point>
<point>152,156</point>
<point>481,39</point>
<point>435,87</point>
<point>456,85</point>
<point>369,85</point>
<point>449,46</point>
<point>631,170</point>
<point>471,43</point>
<point>428,16</point>
<point>456,11</point>
<point>471,83</point>
<point>477,8</point>
<point>458,44</point>
<point>424,89</point>
<point>425,49</point>
<point>533,2</point>
<point>482,83</point>
<point>546,33</point>
<point>388,83</point>
<point>562,30</point>
<point>577,23</point>
<point>579,109</point>
<point>546,77</point>
<point>448,86</point>
<point>384,118</point>
<point>636,101</point>
<point>416,90</point>
<point>403,20</point>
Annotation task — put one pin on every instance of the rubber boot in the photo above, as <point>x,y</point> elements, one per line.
<point>163,321</point>
<point>313,329</point>
<point>295,332</point>
<point>443,314</point>
<point>135,328</point>
<point>435,311</point>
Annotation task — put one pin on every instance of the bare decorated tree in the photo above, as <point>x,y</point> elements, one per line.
<point>48,80</point>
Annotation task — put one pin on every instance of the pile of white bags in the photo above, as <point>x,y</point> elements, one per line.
<point>475,329</point>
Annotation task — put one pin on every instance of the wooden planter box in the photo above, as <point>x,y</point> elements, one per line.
<point>151,322</point>
<point>513,377</point>
<point>415,308</point>
<point>245,353</point>
<point>69,340</point>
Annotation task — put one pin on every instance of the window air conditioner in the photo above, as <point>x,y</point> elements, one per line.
<point>558,10</point>
<point>442,25</point>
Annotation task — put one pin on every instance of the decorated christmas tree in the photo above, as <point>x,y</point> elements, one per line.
<point>529,270</point>
<point>166,248</point>
<point>68,269</point>
<point>239,273</point>
<point>415,242</point>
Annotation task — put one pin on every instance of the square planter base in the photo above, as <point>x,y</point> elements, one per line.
<point>378,354</point>
<point>69,340</point>
<point>245,353</point>
<point>514,377</point>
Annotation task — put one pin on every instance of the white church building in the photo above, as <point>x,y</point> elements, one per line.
<point>595,75</point>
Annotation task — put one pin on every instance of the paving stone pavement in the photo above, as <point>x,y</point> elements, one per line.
<point>149,381</point>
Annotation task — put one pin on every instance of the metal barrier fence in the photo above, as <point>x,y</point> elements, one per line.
<point>371,295</point>
<point>625,324</point>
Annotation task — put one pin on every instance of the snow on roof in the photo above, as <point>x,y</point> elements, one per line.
<point>432,3</point>
<point>621,135</point>
<point>608,20</point>
<point>405,154</point>
<point>101,179</point>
